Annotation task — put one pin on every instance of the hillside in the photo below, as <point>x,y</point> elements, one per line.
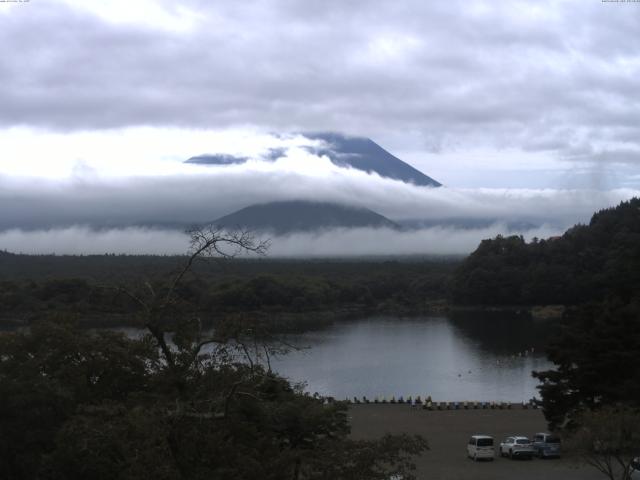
<point>294,216</point>
<point>587,263</point>
<point>364,154</point>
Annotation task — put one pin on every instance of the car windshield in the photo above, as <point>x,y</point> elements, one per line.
<point>553,440</point>
<point>522,441</point>
<point>485,442</point>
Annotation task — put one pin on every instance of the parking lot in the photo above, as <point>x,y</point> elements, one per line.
<point>448,432</point>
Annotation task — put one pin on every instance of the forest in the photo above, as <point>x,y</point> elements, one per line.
<point>588,262</point>
<point>307,291</point>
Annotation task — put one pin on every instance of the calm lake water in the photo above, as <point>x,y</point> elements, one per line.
<point>474,356</point>
<point>451,359</point>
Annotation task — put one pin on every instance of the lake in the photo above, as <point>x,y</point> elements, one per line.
<point>476,357</point>
<point>468,356</point>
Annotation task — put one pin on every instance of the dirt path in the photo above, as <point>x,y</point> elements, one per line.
<point>448,433</point>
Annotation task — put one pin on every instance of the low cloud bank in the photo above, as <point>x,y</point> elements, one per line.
<point>86,241</point>
<point>326,243</point>
<point>209,193</point>
<point>146,214</point>
<point>367,241</point>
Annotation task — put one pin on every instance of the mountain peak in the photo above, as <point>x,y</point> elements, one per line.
<point>364,154</point>
<point>360,153</point>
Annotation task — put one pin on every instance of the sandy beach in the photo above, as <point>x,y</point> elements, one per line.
<point>448,432</point>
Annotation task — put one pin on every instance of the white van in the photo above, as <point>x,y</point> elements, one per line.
<point>480,446</point>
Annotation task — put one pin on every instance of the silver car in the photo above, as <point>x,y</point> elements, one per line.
<point>517,447</point>
<point>546,445</point>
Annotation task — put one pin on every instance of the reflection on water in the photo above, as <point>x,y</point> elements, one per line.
<point>465,357</point>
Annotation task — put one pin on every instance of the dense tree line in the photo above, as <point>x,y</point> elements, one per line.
<point>239,286</point>
<point>589,262</point>
<point>122,268</point>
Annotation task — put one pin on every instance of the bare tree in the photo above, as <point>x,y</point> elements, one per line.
<point>608,439</point>
<point>158,306</point>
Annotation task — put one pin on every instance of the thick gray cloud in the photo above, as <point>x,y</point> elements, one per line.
<point>545,76</point>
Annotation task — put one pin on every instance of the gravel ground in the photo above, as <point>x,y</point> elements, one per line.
<point>448,433</point>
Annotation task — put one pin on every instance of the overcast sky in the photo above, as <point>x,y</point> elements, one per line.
<point>539,97</point>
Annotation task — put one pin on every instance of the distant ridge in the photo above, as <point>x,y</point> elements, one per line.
<point>302,216</point>
<point>360,153</point>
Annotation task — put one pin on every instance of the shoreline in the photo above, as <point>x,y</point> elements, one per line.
<point>300,321</point>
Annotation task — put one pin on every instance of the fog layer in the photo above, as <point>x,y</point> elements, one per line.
<point>328,243</point>
<point>202,194</point>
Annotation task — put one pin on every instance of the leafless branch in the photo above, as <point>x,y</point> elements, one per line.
<point>150,288</point>
<point>247,354</point>
<point>207,241</point>
<point>120,289</point>
<point>266,354</point>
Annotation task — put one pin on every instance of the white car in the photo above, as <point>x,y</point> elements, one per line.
<point>520,447</point>
<point>634,469</point>
<point>480,446</point>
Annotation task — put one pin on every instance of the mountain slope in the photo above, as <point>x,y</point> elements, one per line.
<point>291,216</point>
<point>364,154</point>
<point>356,152</point>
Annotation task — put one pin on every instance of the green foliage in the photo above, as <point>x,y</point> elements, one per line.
<point>77,405</point>
<point>47,373</point>
<point>596,353</point>
<point>268,287</point>
<point>608,439</point>
<point>587,263</point>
